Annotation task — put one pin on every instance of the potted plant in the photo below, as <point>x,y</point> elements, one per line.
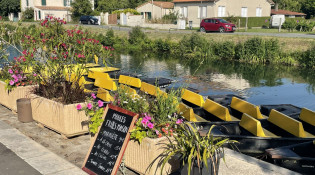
<point>157,119</point>
<point>59,58</point>
<point>197,154</point>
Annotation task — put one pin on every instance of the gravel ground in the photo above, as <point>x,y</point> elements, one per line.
<point>73,150</point>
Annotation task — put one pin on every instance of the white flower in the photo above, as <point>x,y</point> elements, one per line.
<point>125,102</point>
<point>169,116</point>
<point>181,113</point>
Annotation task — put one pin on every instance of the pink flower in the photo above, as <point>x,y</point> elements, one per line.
<point>100,103</point>
<point>93,95</point>
<point>10,71</point>
<point>157,132</point>
<point>179,121</point>
<point>11,82</point>
<point>150,125</point>
<point>144,122</point>
<point>147,116</point>
<point>89,106</point>
<point>34,74</point>
<point>79,107</point>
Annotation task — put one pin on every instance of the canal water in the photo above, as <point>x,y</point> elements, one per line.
<point>259,84</point>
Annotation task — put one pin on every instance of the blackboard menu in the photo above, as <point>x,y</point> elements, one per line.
<point>109,144</point>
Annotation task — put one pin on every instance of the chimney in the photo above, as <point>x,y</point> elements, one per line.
<point>276,7</point>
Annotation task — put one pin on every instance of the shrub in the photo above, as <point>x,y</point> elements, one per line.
<point>136,35</point>
<point>255,50</point>
<point>290,24</point>
<point>272,47</point>
<point>308,58</point>
<point>171,17</point>
<point>162,46</point>
<point>28,14</point>
<point>225,50</point>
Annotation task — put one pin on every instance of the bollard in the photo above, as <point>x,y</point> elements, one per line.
<point>24,110</point>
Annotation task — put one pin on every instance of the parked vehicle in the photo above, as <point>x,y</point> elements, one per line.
<point>88,20</point>
<point>213,24</point>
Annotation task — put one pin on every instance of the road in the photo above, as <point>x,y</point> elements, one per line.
<point>286,35</point>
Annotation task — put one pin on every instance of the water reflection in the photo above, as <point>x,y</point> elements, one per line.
<point>260,84</point>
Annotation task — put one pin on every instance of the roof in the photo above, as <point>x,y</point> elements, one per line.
<point>286,12</point>
<point>52,8</point>
<point>162,4</point>
<point>175,1</point>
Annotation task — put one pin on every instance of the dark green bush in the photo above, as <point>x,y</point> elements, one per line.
<point>109,38</point>
<point>255,50</point>
<point>28,14</point>
<point>162,46</point>
<point>136,35</point>
<point>272,47</point>
<point>308,58</point>
<point>225,50</point>
<point>252,21</point>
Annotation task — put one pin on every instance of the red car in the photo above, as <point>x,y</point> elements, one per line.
<point>214,24</point>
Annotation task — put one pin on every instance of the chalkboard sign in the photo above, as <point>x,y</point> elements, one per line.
<point>109,144</point>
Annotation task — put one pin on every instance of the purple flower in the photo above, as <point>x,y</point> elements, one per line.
<point>79,107</point>
<point>179,121</point>
<point>297,21</point>
<point>10,71</point>
<point>89,106</point>
<point>150,125</point>
<point>11,82</point>
<point>34,74</point>
<point>100,103</point>
<point>93,95</point>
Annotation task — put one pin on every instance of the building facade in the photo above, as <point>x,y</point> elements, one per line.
<point>155,10</point>
<point>56,8</point>
<point>196,10</point>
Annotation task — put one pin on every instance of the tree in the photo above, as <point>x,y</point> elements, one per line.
<point>79,8</point>
<point>309,8</point>
<point>9,6</point>
<point>111,5</point>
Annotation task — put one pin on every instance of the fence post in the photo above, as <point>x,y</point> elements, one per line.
<point>279,30</point>
<point>246,24</point>
<point>239,24</point>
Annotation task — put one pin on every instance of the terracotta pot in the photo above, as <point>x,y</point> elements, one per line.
<point>142,158</point>
<point>8,99</point>
<point>64,119</point>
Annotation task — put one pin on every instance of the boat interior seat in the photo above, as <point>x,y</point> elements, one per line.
<point>192,97</point>
<point>288,124</point>
<point>254,126</point>
<point>307,116</point>
<point>104,95</point>
<point>104,69</point>
<point>217,110</point>
<point>105,84</point>
<point>151,89</point>
<point>129,90</point>
<point>95,74</point>
<point>130,81</point>
<point>246,107</point>
<point>188,113</point>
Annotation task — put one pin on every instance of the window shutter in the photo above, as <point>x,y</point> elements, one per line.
<point>185,12</point>
<point>204,12</point>
<point>43,2</point>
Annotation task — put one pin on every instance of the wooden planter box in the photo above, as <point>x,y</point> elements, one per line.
<point>64,119</point>
<point>141,158</point>
<point>8,99</point>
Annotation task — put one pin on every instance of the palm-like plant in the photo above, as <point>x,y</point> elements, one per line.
<point>192,148</point>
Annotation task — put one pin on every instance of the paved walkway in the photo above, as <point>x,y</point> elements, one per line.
<point>20,155</point>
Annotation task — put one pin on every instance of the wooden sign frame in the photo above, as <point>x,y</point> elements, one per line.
<point>124,145</point>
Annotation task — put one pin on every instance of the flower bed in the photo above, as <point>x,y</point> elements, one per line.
<point>64,119</point>
<point>142,158</point>
<point>8,99</point>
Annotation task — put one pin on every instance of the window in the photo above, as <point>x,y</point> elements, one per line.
<point>67,3</point>
<point>244,12</point>
<point>43,2</point>
<point>221,11</point>
<point>258,11</point>
<point>183,12</point>
<point>27,4</point>
<point>202,12</point>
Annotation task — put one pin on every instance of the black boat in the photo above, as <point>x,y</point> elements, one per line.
<point>296,157</point>
<point>255,136</point>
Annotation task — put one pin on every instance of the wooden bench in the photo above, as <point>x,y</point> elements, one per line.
<point>192,97</point>
<point>288,124</point>
<point>253,126</point>
<point>307,116</point>
<point>246,107</point>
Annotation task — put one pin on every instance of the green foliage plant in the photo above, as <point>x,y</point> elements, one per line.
<point>191,147</point>
<point>136,35</point>
<point>28,14</point>
<point>94,110</point>
<point>79,8</point>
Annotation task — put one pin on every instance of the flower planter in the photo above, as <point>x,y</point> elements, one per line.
<point>143,158</point>
<point>8,99</point>
<point>64,119</point>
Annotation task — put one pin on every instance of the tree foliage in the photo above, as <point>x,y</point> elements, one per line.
<point>9,6</point>
<point>81,7</point>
